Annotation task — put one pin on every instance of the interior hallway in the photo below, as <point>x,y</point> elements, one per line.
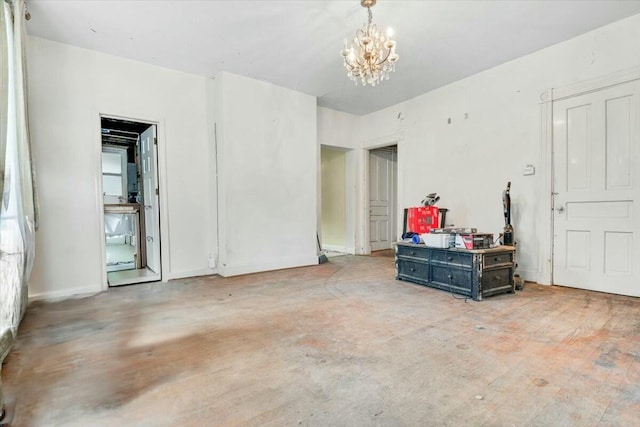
<point>340,344</point>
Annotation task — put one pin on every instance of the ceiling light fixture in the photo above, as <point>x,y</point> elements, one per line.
<point>372,56</point>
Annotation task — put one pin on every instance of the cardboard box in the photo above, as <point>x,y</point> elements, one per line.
<point>474,241</point>
<point>422,219</point>
<point>437,240</point>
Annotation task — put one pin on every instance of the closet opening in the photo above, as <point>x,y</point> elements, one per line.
<point>131,201</point>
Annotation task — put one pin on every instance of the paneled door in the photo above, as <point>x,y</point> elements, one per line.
<point>148,159</point>
<point>382,170</point>
<point>596,158</point>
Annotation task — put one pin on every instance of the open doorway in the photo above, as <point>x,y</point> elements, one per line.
<point>131,201</point>
<point>333,225</point>
<point>382,201</point>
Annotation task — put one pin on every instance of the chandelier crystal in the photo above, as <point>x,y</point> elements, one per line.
<point>372,55</point>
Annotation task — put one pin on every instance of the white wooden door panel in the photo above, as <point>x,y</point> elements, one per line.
<point>148,156</point>
<point>596,155</point>
<point>381,193</point>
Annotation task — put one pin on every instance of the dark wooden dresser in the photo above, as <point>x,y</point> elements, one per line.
<point>476,273</point>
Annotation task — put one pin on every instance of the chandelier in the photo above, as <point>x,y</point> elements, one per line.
<point>372,56</point>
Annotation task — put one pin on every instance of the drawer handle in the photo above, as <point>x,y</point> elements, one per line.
<point>449,258</point>
<point>450,276</point>
<point>496,259</point>
<point>413,253</point>
<point>496,277</point>
<point>412,269</point>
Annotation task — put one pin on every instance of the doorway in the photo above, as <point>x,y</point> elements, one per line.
<point>333,200</point>
<point>131,201</point>
<point>383,178</point>
<point>596,190</point>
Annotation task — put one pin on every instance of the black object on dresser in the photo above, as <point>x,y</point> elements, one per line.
<point>476,273</point>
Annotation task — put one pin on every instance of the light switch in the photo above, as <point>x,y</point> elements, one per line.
<point>529,170</point>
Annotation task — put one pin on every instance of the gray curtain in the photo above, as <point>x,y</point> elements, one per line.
<point>17,206</point>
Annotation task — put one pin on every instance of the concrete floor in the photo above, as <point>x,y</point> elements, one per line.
<point>338,344</point>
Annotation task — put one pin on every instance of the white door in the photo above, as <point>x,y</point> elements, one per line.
<point>382,167</point>
<point>596,157</point>
<point>148,156</point>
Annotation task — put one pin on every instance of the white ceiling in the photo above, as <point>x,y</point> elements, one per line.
<point>296,44</point>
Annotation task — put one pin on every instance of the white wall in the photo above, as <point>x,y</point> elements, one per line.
<point>69,88</point>
<point>469,161</point>
<point>267,176</point>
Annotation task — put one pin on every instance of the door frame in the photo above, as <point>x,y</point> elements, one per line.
<point>162,184</point>
<point>547,98</point>
<point>365,244</point>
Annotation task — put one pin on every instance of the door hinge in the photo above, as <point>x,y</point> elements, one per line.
<point>157,192</point>
<point>155,140</point>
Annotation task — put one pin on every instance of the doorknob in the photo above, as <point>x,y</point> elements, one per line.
<point>560,209</point>
<point>149,239</point>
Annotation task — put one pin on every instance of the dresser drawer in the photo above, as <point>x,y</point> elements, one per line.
<point>497,280</point>
<point>414,270</point>
<point>415,251</point>
<point>451,276</point>
<point>452,256</point>
<point>489,260</point>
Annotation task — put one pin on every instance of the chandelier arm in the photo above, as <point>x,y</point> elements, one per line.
<point>385,58</point>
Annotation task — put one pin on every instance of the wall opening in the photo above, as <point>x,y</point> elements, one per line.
<point>333,199</point>
<point>130,197</point>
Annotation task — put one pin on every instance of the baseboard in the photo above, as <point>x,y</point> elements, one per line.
<point>530,275</point>
<point>267,265</point>
<point>194,273</point>
<point>334,248</point>
<point>65,294</point>
<point>339,249</point>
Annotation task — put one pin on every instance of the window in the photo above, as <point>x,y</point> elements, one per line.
<point>114,173</point>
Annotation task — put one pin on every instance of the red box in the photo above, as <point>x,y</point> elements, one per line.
<point>422,219</point>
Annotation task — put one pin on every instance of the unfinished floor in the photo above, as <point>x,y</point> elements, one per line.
<point>338,344</point>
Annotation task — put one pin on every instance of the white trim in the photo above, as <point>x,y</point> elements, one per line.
<point>161,177</point>
<point>383,141</point>
<point>274,264</point>
<point>334,248</point>
<point>529,275</point>
<point>193,273</point>
<point>66,294</point>
<point>100,208</point>
<point>365,234</point>
<point>544,274</point>
<point>597,83</point>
